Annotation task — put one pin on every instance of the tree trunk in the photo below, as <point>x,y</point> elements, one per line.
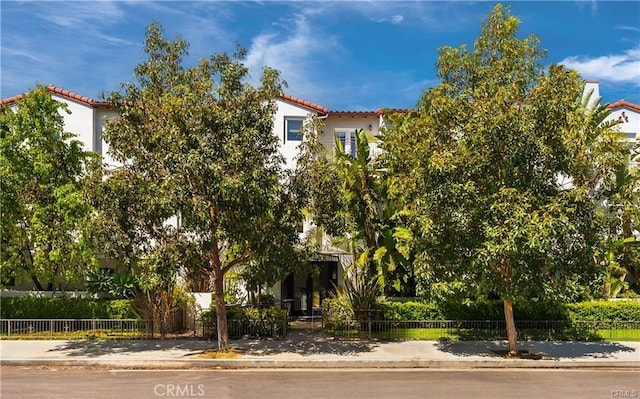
<point>36,282</point>
<point>221,315</point>
<point>512,335</point>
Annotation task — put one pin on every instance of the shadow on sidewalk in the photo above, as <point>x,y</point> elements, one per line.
<point>101,348</point>
<point>548,349</point>
<point>305,343</point>
<point>300,342</point>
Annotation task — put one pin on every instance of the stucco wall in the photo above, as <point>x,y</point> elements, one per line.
<point>79,122</point>
<point>102,115</point>
<point>630,121</point>
<point>337,122</point>
<point>289,149</point>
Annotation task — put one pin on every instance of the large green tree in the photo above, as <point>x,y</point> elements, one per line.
<point>202,137</point>
<point>42,208</point>
<point>479,165</point>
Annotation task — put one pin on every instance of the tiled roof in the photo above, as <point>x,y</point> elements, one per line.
<point>304,103</point>
<point>383,111</point>
<point>377,112</point>
<point>353,113</point>
<point>93,103</point>
<point>69,95</point>
<point>76,97</point>
<point>624,104</point>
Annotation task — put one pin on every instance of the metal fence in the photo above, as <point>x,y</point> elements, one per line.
<point>205,323</point>
<point>74,328</point>
<point>237,329</point>
<point>484,330</point>
<point>89,328</point>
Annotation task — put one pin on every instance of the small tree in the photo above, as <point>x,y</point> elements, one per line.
<point>130,225</point>
<point>42,209</point>
<point>203,138</point>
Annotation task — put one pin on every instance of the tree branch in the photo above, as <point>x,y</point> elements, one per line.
<point>236,261</point>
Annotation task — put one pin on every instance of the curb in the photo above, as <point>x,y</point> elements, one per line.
<point>324,364</point>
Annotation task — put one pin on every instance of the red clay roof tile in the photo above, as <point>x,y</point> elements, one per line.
<point>353,113</point>
<point>304,103</point>
<point>624,104</point>
<point>69,95</point>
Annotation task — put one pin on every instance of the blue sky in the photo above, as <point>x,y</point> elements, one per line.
<point>344,55</point>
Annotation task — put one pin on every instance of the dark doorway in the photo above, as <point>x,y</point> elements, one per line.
<point>306,292</point>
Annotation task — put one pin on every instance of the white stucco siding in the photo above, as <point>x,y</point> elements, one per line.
<point>79,122</point>
<point>630,121</point>
<point>102,147</point>
<point>289,149</point>
<point>349,122</point>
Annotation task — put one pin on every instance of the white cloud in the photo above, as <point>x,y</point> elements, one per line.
<point>92,19</point>
<point>21,52</point>
<point>296,53</point>
<point>82,14</point>
<point>616,68</point>
<point>396,19</point>
<point>631,28</point>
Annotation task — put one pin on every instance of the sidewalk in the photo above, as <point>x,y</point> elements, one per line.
<point>312,349</point>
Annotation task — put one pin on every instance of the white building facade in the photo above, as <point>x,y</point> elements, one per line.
<point>88,118</point>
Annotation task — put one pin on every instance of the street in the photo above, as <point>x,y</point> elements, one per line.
<point>59,383</point>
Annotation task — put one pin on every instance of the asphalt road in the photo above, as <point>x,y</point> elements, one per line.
<point>54,383</point>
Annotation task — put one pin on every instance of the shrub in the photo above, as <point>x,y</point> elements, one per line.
<point>335,311</point>
<point>31,307</point>
<point>605,311</point>
<point>256,322</point>
<point>472,310</point>
<point>409,311</point>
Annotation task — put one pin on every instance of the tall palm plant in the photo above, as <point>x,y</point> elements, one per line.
<point>370,216</point>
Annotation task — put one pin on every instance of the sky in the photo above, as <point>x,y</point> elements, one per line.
<point>344,55</point>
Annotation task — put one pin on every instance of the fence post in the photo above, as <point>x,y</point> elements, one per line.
<point>51,328</point>
<point>93,326</point>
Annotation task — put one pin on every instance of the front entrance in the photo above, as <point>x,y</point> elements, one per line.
<point>306,293</point>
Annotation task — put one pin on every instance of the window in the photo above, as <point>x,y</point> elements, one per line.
<point>347,138</point>
<point>293,129</point>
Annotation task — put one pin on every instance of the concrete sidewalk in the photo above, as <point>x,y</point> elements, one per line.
<point>313,349</point>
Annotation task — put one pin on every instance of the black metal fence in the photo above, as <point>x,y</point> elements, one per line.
<point>89,328</point>
<point>74,328</point>
<point>484,330</point>
<point>242,325</point>
<point>248,328</point>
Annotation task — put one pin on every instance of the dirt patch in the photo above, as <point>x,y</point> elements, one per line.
<point>220,354</point>
<point>524,354</point>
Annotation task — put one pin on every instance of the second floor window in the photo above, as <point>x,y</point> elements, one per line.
<point>293,129</point>
<point>347,138</point>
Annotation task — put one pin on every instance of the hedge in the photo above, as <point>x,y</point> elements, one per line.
<point>335,310</point>
<point>30,307</point>
<point>605,311</point>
